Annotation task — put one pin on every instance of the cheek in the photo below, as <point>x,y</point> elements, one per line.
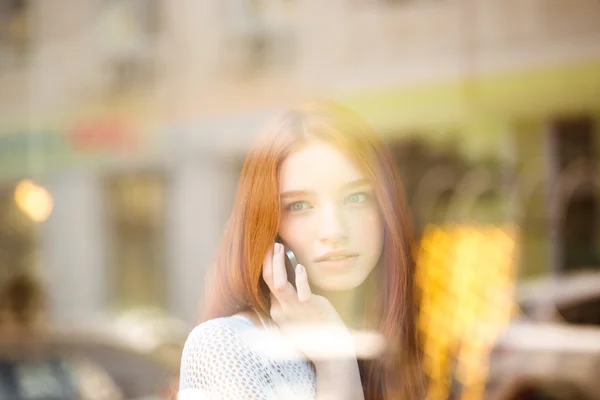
<point>367,232</point>
<point>296,233</point>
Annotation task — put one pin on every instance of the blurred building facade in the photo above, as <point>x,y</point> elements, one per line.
<point>135,116</point>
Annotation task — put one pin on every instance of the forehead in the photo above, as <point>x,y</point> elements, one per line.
<point>317,164</point>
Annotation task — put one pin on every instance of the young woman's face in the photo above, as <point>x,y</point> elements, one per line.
<point>329,216</point>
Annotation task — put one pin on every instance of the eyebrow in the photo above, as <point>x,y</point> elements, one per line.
<point>345,186</point>
<point>356,183</point>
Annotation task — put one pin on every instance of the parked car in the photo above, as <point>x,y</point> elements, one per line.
<point>557,337</point>
<point>102,355</point>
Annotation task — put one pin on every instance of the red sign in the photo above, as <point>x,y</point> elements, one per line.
<point>110,135</point>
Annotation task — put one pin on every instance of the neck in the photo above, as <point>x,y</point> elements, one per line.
<point>351,304</point>
<point>346,304</point>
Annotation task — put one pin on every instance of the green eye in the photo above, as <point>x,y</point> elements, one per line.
<point>356,198</point>
<point>297,206</point>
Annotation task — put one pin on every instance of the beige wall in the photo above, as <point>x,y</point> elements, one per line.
<point>318,47</point>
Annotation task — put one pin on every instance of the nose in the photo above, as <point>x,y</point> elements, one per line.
<point>333,230</point>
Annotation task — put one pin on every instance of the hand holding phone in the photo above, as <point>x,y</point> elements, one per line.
<point>300,314</point>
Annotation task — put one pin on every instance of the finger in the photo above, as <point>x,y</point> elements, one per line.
<point>275,311</point>
<point>274,301</point>
<point>267,271</point>
<point>302,285</point>
<point>282,288</point>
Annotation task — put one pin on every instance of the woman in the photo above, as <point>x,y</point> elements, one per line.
<point>322,182</point>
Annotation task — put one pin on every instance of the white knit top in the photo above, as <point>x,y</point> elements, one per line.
<point>231,358</point>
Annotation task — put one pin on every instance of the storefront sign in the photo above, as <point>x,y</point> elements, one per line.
<point>24,151</point>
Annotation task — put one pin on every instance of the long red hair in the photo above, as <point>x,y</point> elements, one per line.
<point>235,282</point>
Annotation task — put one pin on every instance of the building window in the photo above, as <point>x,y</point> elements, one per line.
<point>259,37</point>
<point>578,211</point>
<point>129,33</point>
<point>136,213</point>
<point>14,32</point>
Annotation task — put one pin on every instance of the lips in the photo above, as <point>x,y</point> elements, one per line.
<point>336,256</point>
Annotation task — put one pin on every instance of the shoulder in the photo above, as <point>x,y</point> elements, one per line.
<point>217,339</point>
<point>232,358</point>
<point>218,332</point>
<point>233,323</point>
<point>218,349</point>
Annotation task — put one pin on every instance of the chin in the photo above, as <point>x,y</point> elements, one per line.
<point>340,283</point>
